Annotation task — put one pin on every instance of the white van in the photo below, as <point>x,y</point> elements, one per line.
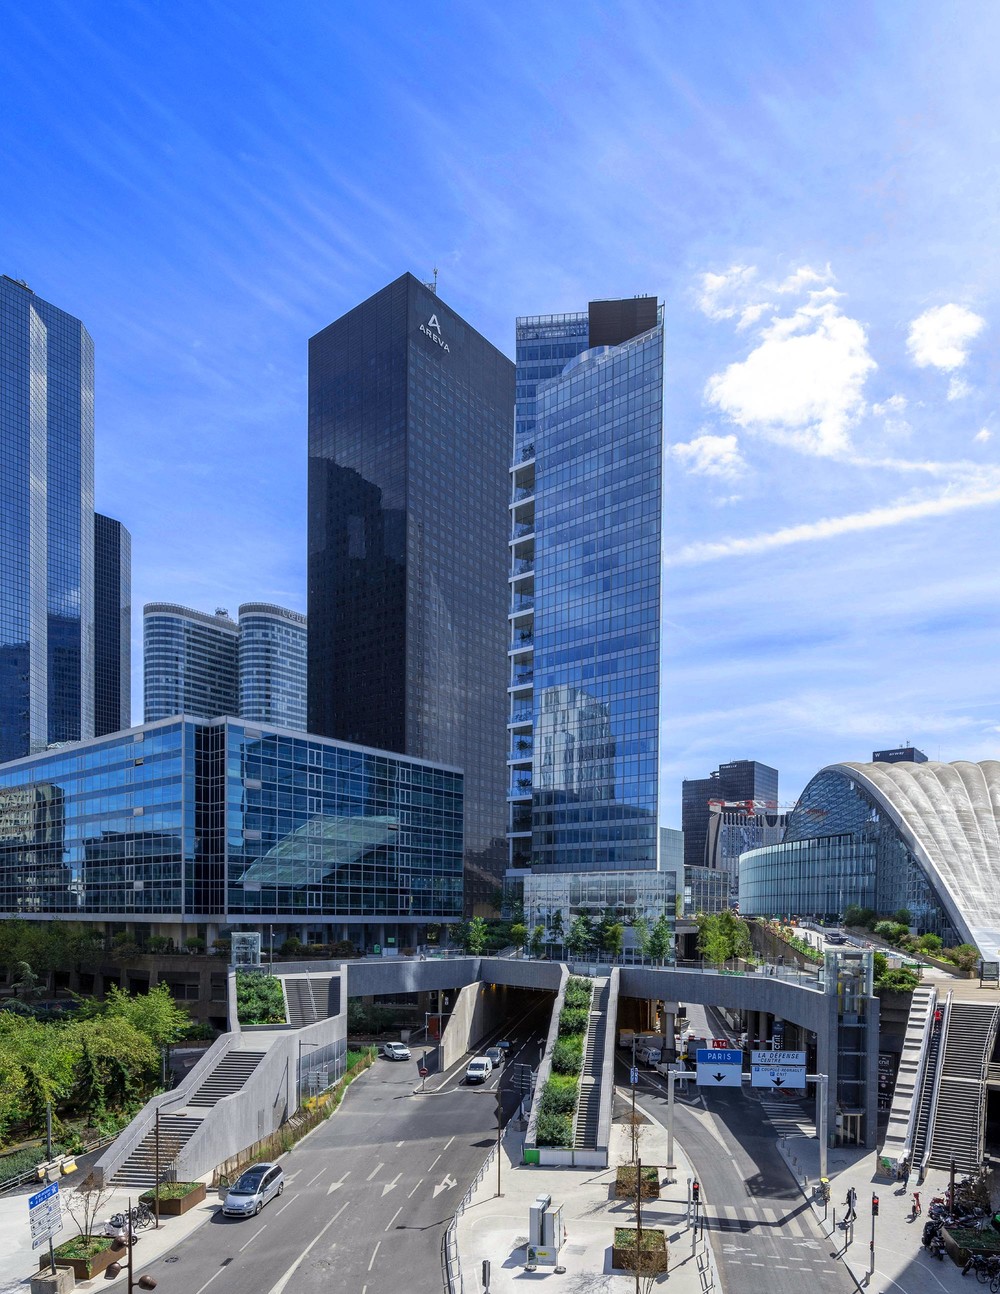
<point>649,1055</point>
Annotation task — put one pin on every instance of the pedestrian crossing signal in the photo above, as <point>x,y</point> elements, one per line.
<point>874,1206</point>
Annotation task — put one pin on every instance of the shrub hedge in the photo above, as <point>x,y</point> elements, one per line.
<point>573,1020</point>
<point>567,1056</point>
<point>554,1130</point>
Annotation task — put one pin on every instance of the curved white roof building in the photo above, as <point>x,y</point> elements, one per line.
<point>921,836</point>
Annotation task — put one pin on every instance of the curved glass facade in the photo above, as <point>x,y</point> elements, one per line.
<point>190,663</point>
<point>186,821</point>
<point>841,846</point>
<point>272,665</point>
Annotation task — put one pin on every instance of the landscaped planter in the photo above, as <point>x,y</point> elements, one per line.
<point>961,1242</point>
<point>176,1198</point>
<point>625,1183</point>
<point>654,1251</point>
<point>84,1268</point>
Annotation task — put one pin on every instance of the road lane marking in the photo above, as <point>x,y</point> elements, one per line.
<point>448,1142</point>
<point>394,1217</point>
<point>400,1143</point>
<point>448,1184</point>
<point>415,1189</point>
<point>430,1166</point>
<point>253,1237</point>
<point>371,1261</point>
<point>375,1171</point>
<point>210,1279</point>
<point>335,1186</point>
<point>284,1206</point>
<point>340,1211</point>
<point>276,1289</point>
<point>313,1179</point>
<point>390,1186</point>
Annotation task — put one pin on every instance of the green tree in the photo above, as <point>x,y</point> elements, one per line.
<point>903,917</point>
<point>613,937</point>
<point>661,938</point>
<point>475,936</point>
<point>25,983</point>
<point>640,931</point>
<point>537,942</point>
<point>930,943</point>
<point>519,934</point>
<point>155,1013</point>
<point>580,936</point>
<point>89,1084</point>
<point>556,932</point>
<point>965,956</point>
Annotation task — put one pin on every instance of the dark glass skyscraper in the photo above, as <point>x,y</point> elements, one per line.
<point>46,524</point>
<point>585,589</point>
<point>410,414</point>
<point>112,626</point>
<point>742,783</point>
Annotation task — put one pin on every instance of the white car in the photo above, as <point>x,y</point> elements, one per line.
<point>479,1070</point>
<point>396,1051</point>
<point>254,1189</point>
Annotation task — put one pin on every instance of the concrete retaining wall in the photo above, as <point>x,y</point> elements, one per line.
<point>608,1067</point>
<point>545,1064</point>
<point>479,1008</point>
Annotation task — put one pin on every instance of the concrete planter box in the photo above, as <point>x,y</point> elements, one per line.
<point>625,1183</point>
<point>85,1269</point>
<point>654,1252</point>
<point>176,1207</point>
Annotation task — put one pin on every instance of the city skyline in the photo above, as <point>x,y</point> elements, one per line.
<point>796,188</point>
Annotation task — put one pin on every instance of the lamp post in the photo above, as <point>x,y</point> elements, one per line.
<point>156,1166</point>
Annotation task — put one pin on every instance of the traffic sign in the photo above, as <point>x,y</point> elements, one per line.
<point>778,1076</point>
<point>44,1215</point>
<point>778,1057</point>
<point>633,1076</point>
<point>719,1067</point>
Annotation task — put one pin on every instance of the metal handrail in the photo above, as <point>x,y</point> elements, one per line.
<point>925,1042</point>
<point>938,1071</point>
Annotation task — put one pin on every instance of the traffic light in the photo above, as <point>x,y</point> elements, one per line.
<point>874,1206</point>
<point>695,1190</point>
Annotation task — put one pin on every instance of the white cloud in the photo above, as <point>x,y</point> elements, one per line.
<point>831,527</point>
<point>895,405</point>
<point>958,388</point>
<point>982,436</point>
<point>803,385</point>
<point>719,290</point>
<point>940,337</point>
<point>738,293</point>
<point>712,456</point>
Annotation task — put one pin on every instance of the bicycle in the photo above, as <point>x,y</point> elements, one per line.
<point>140,1216</point>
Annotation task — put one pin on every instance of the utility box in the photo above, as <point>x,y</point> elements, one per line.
<point>545,1232</point>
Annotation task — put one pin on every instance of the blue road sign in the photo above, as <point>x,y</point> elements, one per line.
<point>42,1196</point>
<point>718,1056</point>
<point>633,1076</point>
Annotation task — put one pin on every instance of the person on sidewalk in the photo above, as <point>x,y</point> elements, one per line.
<point>851,1202</point>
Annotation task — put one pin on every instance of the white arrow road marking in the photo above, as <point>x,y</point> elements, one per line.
<point>390,1186</point>
<point>375,1171</point>
<point>336,1185</point>
<point>446,1185</point>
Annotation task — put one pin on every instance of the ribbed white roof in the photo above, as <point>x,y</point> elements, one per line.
<point>947,815</point>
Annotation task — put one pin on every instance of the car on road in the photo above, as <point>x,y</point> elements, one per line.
<point>253,1190</point>
<point>495,1056</point>
<point>836,939</point>
<point>396,1051</point>
<point>649,1055</point>
<point>479,1070</point>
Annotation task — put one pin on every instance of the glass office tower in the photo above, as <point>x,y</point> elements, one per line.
<point>46,524</point>
<point>743,785</point>
<point>186,826</point>
<point>585,590</point>
<point>112,626</point>
<point>410,414</point>
<point>272,661</point>
<point>190,662</point>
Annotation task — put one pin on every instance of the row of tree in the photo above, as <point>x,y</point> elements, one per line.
<point>585,935</point>
<point>103,1059</point>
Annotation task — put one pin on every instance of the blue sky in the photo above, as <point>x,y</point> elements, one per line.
<point>812,189</point>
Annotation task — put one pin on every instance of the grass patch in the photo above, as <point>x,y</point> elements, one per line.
<point>171,1191</point>
<point>84,1247</point>
<point>625,1183</point>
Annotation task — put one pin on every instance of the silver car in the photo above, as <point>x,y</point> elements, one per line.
<point>254,1189</point>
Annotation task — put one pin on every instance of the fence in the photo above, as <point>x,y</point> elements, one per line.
<point>451,1261</point>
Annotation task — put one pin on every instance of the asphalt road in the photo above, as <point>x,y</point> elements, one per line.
<point>763,1233</point>
<point>368,1194</point>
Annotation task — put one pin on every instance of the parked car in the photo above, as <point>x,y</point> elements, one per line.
<point>479,1070</point>
<point>495,1056</point>
<point>254,1189</point>
<point>396,1051</point>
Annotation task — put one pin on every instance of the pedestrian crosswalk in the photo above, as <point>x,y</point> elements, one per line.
<point>793,1222</point>
<point>788,1118</point>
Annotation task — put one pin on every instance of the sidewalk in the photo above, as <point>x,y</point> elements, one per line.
<point>497,1228</point>
<point>902,1264</point>
<point>18,1262</point>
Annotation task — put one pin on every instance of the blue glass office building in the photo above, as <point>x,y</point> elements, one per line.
<point>112,626</point>
<point>46,524</point>
<point>585,578</point>
<point>185,826</point>
<point>272,664</point>
<point>190,662</point>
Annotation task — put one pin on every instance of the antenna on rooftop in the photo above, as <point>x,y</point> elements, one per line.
<point>433,287</point>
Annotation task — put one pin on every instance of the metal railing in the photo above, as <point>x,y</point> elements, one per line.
<point>451,1261</point>
<point>31,1174</point>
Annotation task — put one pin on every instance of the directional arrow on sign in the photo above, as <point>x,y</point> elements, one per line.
<point>778,1082</point>
<point>446,1185</point>
<point>390,1186</point>
<point>336,1185</point>
<point>718,1077</point>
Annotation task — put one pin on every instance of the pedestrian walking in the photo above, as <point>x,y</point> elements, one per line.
<point>906,1171</point>
<point>851,1202</point>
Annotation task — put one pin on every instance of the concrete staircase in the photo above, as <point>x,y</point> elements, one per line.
<point>912,1066</point>
<point>925,1109</point>
<point>139,1170</point>
<point>308,998</point>
<point>961,1102</point>
<point>588,1109</point>
<point>227,1077</point>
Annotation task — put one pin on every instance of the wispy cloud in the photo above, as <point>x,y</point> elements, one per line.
<point>709,455</point>
<point>832,527</point>
<point>941,336</point>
